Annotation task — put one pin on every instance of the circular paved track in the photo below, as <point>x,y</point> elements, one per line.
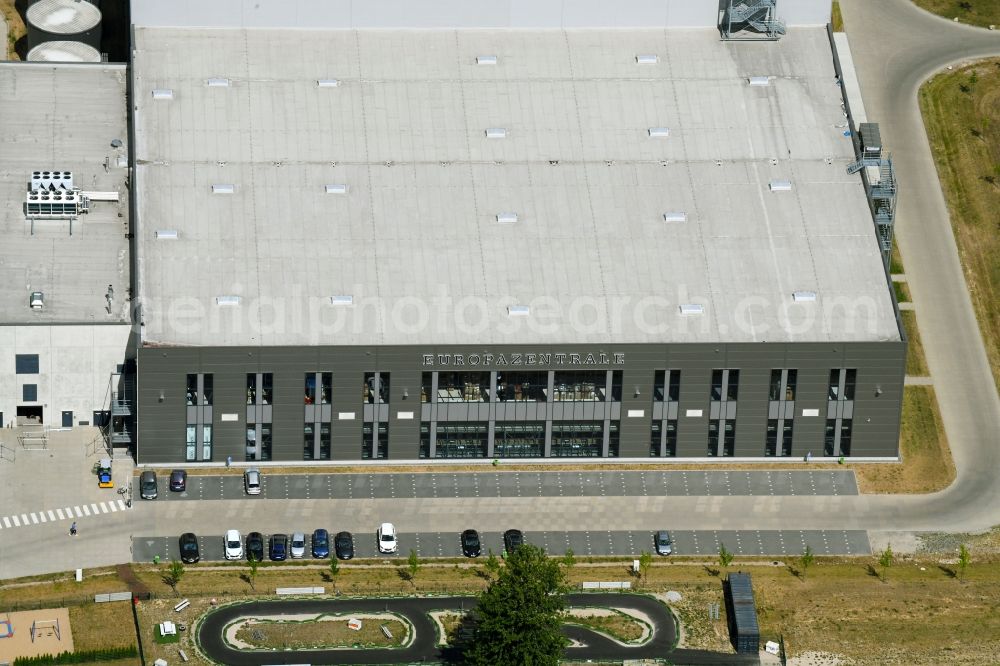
<point>423,648</point>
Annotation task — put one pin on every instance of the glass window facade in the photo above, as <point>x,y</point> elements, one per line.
<point>522,386</point>
<point>462,439</point>
<point>586,386</point>
<point>463,387</point>
<point>519,440</point>
<point>376,388</point>
<point>191,450</point>
<point>372,445</point>
<point>577,439</point>
<point>666,385</point>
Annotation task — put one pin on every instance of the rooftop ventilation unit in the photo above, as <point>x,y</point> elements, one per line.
<point>659,132</point>
<point>328,83</point>
<point>36,300</point>
<point>506,218</point>
<point>336,188</point>
<point>223,188</point>
<point>650,59</point>
<point>760,80</point>
<point>518,310</point>
<point>803,296</point>
<point>227,300</point>
<point>692,308</point>
<point>165,234</point>
<point>496,133</point>
<point>342,300</point>
<point>51,181</point>
<point>780,185</point>
<point>675,216</point>
<point>486,60</point>
<point>217,83</point>
<point>163,93</point>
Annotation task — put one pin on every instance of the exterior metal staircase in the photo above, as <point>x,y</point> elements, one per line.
<point>758,15</point>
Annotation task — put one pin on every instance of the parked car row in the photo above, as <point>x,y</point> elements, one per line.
<point>178,482</point>
<point>280,547</point>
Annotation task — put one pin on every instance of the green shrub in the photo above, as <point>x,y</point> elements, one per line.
<point>79,657</point>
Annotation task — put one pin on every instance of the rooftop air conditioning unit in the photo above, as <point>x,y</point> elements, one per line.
<point>37,300</point>
<point>486,60</point>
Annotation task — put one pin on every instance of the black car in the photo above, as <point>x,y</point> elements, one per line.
<point>178,480</point>
<point>255,546</point>
<point>343,545</point>
<point>321,544</point>
<point>278,551</point>
<point>189,548</point>
<point>470,543</point>
<point>512,540</point>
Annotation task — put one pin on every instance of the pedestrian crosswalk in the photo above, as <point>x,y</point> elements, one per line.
<point>62,513</point>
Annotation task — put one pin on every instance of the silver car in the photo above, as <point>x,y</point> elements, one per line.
<point>298,549</point>
<point>147,485</point>
<point>664,544</point>
<point>251,481</point>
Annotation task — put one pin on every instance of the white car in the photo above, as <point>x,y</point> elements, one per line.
<point>233,543</point>
<point>387,538</point>
<point>298,550</point>
<point>251,480</point>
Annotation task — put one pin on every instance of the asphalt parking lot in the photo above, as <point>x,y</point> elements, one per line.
<point>514,484</point>
<point>771,543</point>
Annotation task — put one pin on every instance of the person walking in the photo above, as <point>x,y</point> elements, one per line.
<point>72,529</point>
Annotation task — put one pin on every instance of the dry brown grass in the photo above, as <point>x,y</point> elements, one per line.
<point>15,27</point>
<point>326,632</point>
<point>961,110</point>
<point>617,625</point>
<point>836,18</point>
<point>107,625</point>
<point>916,361</point>
<point>927,464</point>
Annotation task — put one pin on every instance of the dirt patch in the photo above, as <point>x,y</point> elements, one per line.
<point>317,632</point>
<point>53,633</point>
<point>626,626</point>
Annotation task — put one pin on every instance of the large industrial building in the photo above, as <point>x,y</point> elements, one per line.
<point>64,221</point>
<point>502,230</point>
<point>388,230</point>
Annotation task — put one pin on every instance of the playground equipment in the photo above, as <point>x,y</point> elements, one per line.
<point>6,628</point>
<point>103,470</point>
<point>45,629</point>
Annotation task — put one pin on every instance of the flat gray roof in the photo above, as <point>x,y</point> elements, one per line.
<point>415,240</point>
<point>63,117</point>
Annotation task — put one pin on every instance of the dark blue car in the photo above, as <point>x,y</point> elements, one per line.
<point>321,544</point>
<point>279,547</point>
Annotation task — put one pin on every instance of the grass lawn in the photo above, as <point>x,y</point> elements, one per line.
<point>922,616</point>
<point>836,19</point>
<point>616,624</point>
<point>916,362</point>
<point>927,464</point>
<point>895,261</point>
<point>974,12</point>
<point>902,292</point>
<point>98,626</point>
<point>961,110</point>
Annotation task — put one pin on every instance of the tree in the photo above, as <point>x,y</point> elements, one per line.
<point>519,616</point>
<point>645,561</point>
<point>413,565</point>
<point>253,563</point>
<point>174,574</point>
<point>725,557</point>
<point>964,558</point>
<point>492,565</point>
<point>806,560</point>
<point>334,566</point>
<point>885,560</point>
<point>569,559</point>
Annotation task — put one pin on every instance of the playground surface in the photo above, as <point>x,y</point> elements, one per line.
<point>52,633</point>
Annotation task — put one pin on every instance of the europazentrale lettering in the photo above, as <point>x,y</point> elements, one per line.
<point>532,359</point>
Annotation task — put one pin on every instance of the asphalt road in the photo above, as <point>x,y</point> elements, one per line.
<point>896,47</point>
<point>423,648</point>
<point>512,484</point>
<point>622,543</point>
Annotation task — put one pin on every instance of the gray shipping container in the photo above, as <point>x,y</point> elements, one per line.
<point>743,628</point>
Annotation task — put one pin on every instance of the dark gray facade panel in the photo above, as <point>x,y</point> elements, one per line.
<point>877,405</point>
